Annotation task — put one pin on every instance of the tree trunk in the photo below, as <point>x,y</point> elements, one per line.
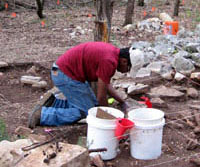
<point>140,2</point>
<point>176,7</point>
<point>129,12</point>
<point>40,6</point>
<point>103,20</point>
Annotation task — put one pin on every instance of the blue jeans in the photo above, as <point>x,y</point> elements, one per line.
<point>80,98</point>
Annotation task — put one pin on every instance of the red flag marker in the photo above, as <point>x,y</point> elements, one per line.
<point>6,5</point>
<point>13,14</point>
<point>153,9</point>
<point>42,23</point>
<point>183,2</point>
<point>58,2</point>
<point>145,13</point>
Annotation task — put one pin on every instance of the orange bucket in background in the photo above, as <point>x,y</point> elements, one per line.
<point>171,27</point>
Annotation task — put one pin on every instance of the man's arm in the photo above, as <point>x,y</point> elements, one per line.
<point>102,89</point>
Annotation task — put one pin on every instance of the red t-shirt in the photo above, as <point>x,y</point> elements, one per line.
<point>90,61</point>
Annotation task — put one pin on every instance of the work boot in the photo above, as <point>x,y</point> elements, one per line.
<point>34,117</point>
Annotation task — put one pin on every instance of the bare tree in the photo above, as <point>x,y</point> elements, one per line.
<point>129,12</point>
<point>103,20</point>
<point>176,7</point>
<point>140,2</point>
<point>40,5</point>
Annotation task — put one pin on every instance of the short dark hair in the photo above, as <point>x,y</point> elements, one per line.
<point>124,53</point>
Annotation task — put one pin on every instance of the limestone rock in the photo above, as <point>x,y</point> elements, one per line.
<point>137,89</point>
<point>1,75</point>
<point>70,156</point>
<point>40,84</point>
<point>179,77</point>
<point>23,131</point>
<point>158,103</point>
<point>183,65</point>
<point>192,92</point>
<point>195,75</point>
<point>3,64</point>
<point>11,151</point>
<point>165,92</point>
<point>133,104</point>
<point>122,93</point>
<point>30,79</point>
<point>165,17</point>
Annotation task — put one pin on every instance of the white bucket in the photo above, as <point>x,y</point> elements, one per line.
<point>101,132</point>
<point>146,136</point>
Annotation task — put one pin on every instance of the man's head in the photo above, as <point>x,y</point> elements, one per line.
<point>124,63</point>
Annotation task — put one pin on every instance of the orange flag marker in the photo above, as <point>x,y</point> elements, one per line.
<point>183,2</point>
<point>13,14</point>
<point>89,15</point>
<point>58,2</point>
<point>6,5</point>
<point>42,23</point>
<point>153,9</point>
<point>145,13</point>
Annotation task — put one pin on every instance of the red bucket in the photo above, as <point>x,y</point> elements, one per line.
<point>123,125</point>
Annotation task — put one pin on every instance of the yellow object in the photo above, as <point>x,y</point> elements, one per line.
<point>111,100</point>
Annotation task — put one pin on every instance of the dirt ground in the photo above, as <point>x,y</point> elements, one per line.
<point>24,43</point>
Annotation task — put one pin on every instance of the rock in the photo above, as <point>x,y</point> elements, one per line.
<point>129,27</point>
<point>143,72</point>
<point>168,75</point>
<point>23,131</point>
<point>40,84</point>
<point>192,144</point>
<point>192,92</point>
<point>195,161</point>
<point>195,107</point>
<point>182,53</point>
<point>32,70</point>
<point>3,64</point>
<point>165,92</point>
<point>192,47</point>
<point>30,79</point>
<point>11,151</point>
<point>123,83</point>
<point>37,138</point>
<point>117,75</point>
<point>195,75</point>
<point>196,59</point>
<point>137,89</point>
<point>156,66</point>
<point>164,49</point>
<point>179,77</point>
<point>70,156</point>
<point>133,104</point>
<point>121,92</point>
<point>165,17</point>
<point>1,75</point>
<point>183,65</point>
<point>141,45</point>
<point>177,125</point>
<point>158,103</point>
<point>197,130</point>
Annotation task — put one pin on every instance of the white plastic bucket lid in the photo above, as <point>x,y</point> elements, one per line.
<point>147,116</point>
